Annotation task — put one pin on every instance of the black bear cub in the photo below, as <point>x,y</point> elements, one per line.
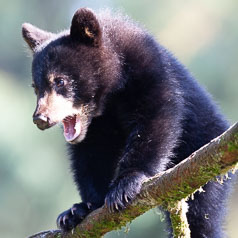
<point>129,110</point>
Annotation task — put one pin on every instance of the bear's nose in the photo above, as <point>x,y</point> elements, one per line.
<point>41,121</point>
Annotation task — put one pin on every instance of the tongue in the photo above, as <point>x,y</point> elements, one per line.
<point>72,128</point>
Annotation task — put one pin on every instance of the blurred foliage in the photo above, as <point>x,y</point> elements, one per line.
<point>35,182</point>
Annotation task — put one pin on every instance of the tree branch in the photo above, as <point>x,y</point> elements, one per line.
<point>166,189</point>
<point>179,220</point>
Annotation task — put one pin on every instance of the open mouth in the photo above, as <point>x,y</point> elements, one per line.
<point>72,127</point>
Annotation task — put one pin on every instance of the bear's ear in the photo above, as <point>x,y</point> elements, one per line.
<point>85,27</point>
<point>34,36</point>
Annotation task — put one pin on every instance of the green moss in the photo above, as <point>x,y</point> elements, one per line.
<point>233,146</point>
<point>185,188</point>
<point>171,199</point>
<point>179,220</point>
<point>207,173</point>
<point>117,222</point>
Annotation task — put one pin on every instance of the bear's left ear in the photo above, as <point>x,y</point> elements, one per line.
<point>34,36</point>
<point>85,27</point>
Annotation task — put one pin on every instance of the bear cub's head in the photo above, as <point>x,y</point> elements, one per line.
<point>72,72</point>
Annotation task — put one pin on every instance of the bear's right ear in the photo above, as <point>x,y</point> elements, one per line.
<point>85,27</point>
<point>34,36</point>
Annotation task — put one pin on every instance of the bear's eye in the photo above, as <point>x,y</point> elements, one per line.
<point>59,82</point>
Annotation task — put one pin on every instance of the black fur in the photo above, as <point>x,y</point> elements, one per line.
<point>146,114</point>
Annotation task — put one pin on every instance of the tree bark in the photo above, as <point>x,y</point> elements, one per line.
<point>166,189</point>
<point>179,220</point>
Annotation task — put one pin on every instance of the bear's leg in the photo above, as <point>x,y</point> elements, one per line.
<point>206,213</point>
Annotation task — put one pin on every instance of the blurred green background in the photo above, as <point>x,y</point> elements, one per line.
<point>35,180</point>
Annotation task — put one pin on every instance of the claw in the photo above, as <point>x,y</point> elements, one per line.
<point>89,205</point>
<point>111,208</point>
<point>64,219</point>
<point>116,206</point>
<point>72,210</point>
<point>125,197</point>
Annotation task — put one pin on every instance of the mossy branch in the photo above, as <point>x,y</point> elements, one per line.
<point>179,219</point>
<point>166,189</point>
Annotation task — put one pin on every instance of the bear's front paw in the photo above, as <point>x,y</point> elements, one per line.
<point>69,219</point>
<point>123,190</point>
